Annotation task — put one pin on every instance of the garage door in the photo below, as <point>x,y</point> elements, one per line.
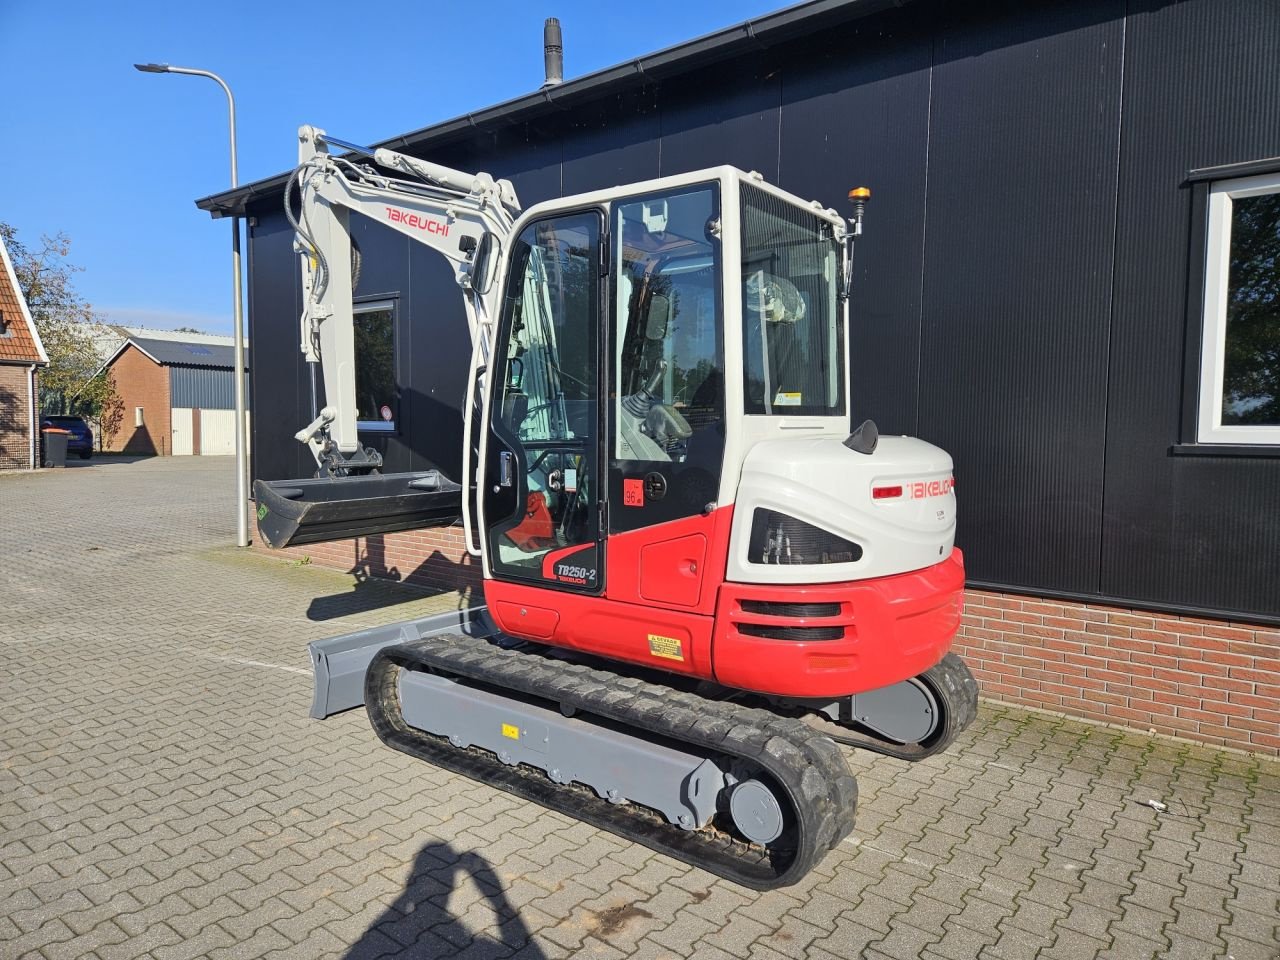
<point>218,432</point>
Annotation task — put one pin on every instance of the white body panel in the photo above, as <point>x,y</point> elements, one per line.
<point>825,484</point>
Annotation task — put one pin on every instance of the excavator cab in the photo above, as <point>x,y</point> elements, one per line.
<point>611,347</point>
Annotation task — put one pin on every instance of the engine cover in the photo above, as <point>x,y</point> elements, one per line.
<point>888,512</point>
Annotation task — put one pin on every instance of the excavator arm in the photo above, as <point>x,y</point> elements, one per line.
<point>466,218</point>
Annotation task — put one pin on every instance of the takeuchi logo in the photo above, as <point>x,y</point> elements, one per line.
<point>417,222</point>
<point>923,489</point>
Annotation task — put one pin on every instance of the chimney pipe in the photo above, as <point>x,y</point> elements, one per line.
<point>553,52</point>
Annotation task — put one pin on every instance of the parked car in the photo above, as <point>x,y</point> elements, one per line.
<point>81,439</point>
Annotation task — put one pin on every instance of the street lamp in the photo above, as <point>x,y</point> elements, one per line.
<point>242,486</point>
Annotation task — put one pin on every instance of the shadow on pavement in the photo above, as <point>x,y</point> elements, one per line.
<point>420,924</point>
<point>377,585</point>
<point>364,596</point>
<point>106,460</point>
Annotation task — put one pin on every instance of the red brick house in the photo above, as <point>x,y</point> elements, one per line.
<point>21,356</point>
<point>177,391</point>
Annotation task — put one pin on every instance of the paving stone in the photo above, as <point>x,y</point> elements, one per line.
<point>178,801</point>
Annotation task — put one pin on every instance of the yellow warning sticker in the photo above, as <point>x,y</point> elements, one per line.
<point>511,731</point>
<point>788,399</point>
<point>668,648</point>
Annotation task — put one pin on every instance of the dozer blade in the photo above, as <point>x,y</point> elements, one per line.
<point>339,663</point>
<point>294,512</point>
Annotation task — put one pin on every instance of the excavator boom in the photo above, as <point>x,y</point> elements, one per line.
<point>467,219</point>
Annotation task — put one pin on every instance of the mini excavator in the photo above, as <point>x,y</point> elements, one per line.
<point>697,580</point>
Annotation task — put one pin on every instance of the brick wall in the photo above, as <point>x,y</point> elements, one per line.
<point>141,382</point>
<point>1209,680</point>
<point>434,559</point>
<point>16,416</point>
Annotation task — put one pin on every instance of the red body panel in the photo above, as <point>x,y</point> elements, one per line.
<point>651,566</point>
<point>894,628</point>
<point>667,639</point>
<point>666,605</point>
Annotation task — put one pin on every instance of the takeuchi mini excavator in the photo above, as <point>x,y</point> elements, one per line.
<point>697,580</point>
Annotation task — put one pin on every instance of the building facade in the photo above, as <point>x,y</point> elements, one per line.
<point>1064,283</point>
<point>21,357</point>
<point>176,394</point>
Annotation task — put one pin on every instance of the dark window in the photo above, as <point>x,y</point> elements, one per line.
<point>1251,360</point>
<point>377,403</point>
<point>793,340</point>
<point>1240,356</point>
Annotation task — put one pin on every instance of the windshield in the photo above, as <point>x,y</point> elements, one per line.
<point>793,340</point>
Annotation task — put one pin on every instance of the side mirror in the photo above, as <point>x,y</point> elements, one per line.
<point>515,373</point>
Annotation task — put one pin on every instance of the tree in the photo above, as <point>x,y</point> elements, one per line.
<point>68,327</point>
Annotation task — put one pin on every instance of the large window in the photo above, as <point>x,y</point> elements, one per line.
<point>377,399</point>
<point>542,504</point>
<point>668,359</point>
<point>1240,354</point>
<point>792,335</point>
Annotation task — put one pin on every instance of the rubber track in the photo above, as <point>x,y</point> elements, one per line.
<point>957,694</point>
<point>809,769</point>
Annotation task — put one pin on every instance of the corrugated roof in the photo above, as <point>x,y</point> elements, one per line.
<point>20,341</point>
<point>757,34</point>
<point>183,353</point>
<point>186,353</point>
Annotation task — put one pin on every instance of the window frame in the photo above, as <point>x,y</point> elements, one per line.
<point>1214,209</point>
<point>374,305</point>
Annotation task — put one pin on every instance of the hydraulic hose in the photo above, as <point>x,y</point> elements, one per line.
<point>322,265</point>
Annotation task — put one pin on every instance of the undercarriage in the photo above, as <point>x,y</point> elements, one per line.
<point>750,789</point>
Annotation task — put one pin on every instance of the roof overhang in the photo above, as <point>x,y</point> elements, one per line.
<point>7,265</point>
<point>750,35</point>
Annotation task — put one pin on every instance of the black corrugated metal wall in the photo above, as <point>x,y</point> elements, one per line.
<point>1022,290</point>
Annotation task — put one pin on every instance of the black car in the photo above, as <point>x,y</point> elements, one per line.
<point>81,439</point>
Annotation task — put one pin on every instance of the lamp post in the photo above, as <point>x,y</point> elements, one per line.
<point>242,486</point>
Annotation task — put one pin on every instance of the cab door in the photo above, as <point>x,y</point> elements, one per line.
<point>667,400</point>
<point>543,492</point>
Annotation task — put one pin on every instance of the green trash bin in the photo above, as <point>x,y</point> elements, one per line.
<point>55,446</point>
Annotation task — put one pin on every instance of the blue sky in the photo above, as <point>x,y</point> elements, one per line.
<point>115,158</point>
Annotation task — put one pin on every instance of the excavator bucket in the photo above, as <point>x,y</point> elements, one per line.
<point>295,512</point>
